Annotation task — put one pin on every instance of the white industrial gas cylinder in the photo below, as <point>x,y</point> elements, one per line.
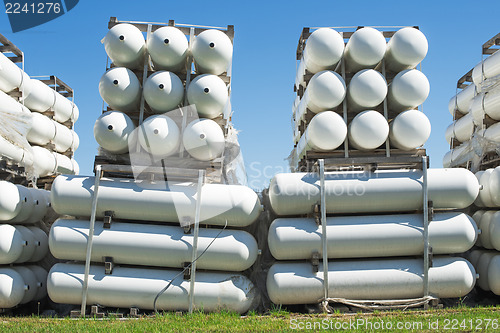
<point>209,94</point>
<point>12,288</point>
<point>212,52</point>
<point>494,185</point>
<point>326,131</point>
<point>368,130</point>
<point>371,236</point>
<point>146,245</point>
<point>485,194</point>
<point>138,287</point>
<point>487,104</point>
<point>120,88</point>
<point>463,128</point>
<point>163,91</point>
<point>30,281</point>
<point>159,135</point>
<point>494,275</point>
<point>43,129</point>
<point>112,130</point>
<point>10,200</point>
<point>203,139</point>
<point>365,49</point>
<point>408,90</point>
<point>168,48</point>
<point>41,275</point>
<point>41,200</point>
<point>64,164</point>
<point>45,162</point>
<point>27,205</point>
<point>42,244</point>
<point>298,283</point>
<point>11,244</point>
<point>326,90</point>
<point>366,90</point>
<point>323,50</point>
<point>125,45</point>
<point>64,109</point>
<point>406,48</point>
<point>486,69</point>
<point>152,201</point>
<point>463,100</point>
<point>12,77</point>
<point>30,245</point>
<point>41,98</point>
<point>482,268</point>
<point>370,192</point>
<point>63,140</point>
<point>409,130</point>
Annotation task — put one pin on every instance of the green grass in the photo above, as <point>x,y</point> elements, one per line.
<point>453,319</point>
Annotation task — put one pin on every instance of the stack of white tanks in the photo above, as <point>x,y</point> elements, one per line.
<point>22,244</point>
<point>362,96</point>
<point>375,221</point>
<point>474,135</point>
<point>37,120</point>
<point>148,239</point>
<point>486,256</point>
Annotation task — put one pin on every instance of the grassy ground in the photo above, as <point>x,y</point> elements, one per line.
<point>434,320</point>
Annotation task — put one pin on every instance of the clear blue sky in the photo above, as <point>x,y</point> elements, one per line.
<point>266,35</point>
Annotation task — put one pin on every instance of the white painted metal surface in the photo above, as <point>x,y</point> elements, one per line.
<point>168,48</point>
<point>41,98</point>
<point>408,90</point>
<point>163,91</point>
<point>366,90</point>
<point>30,281</point>
<point>486,69</point>
<point>45,162</point>
<point>136,287</point>
<point>10,200</point>
<point>11,244</point>
<point>371,236</point>
<point>153,245</point>
<point>64,109</point>
<point>488,104</point>
<point>209,94</point>
<point>12,77</point>
<point>212,52</point>
<point>204,139</point>
<point>409,130</point>
<point>296,283</point>
<point>159,135</point>
<point>120,88</point>
<point>12,288</point>
<point>380,191</point>
<point>323,50</point>
<point>146,201</point>
<point>30,246</point>
<point>112,130</point>
<point>41,276</point>
<point>368,130</point>
<point>406,49</point>
<point>494,275</point>
<point>43,130</point>
<point>125,45</point>
<point>365,49</point>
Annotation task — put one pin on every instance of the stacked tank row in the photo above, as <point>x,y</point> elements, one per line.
<point>136,239</point>
<point>37,120</point>
<point>474,133</point>
<point>359,96</point>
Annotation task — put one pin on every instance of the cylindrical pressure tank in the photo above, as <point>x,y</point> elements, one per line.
<point>409,130</point>
<point>370,192</point>
<point>151,201</point>
<point>45,162</point>
<point>12,151</point>
<point>365,49</point>
<point>43,130</point>
<point>371,236</point>
<point>112,130</point>
<point>120,88</point>
<point>487,104</point>
<point>463,100</point>
<point>212,52</point>
<point>298,283</point>
<point>463,128</point>
<point>12,288</point>
<point>12,77</point>
<point>41,275</point>
<point>146,245</point>
<point>366,90</point>
<point>30,281</point>
<point>492,133</point>
<point>42,202</point>
<point>42,244</point>
<point>27,205</point>
<point>168,48</point>
<point>163,91</point>
<point>325,91</point>
<point>125,45</point>
<point>10,200</point>
<point>494,185</point>
<point>408,90</point>
<point>486,220</point>
<point>159,135</point>
<point>11,244</point>
<point>64,109</point>
<point>209,94</point>
<point>406,48</point>
<point>482,267</point>
<point>494,275</point>
<point>323,50</point>
<point>485,194</point>
<point>203,139</point>
<point>138,287</point>
<point>326,131</point>
<point>64,164</point>
<point>41,98</point>
<point>494,231</point>
<point>30,244</point>
<point>63,140</point>
<point>486,69</point>
<point>368,130</point>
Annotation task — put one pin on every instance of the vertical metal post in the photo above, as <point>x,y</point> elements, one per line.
<point>426,226</point>
<point>386,115</point>
<point>344,109</point>
<point>98,175</point>
<point>144,78</point>
<point>201,177</point>
<point>323,226</point>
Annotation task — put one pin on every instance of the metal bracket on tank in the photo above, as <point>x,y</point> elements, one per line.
<point>431,255</point>
<point>108,218</point>
<point>430,211</point>
<point>315,261</point>
<point>187,272</point>
<point>316,213</point>
<point>108,265</point>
